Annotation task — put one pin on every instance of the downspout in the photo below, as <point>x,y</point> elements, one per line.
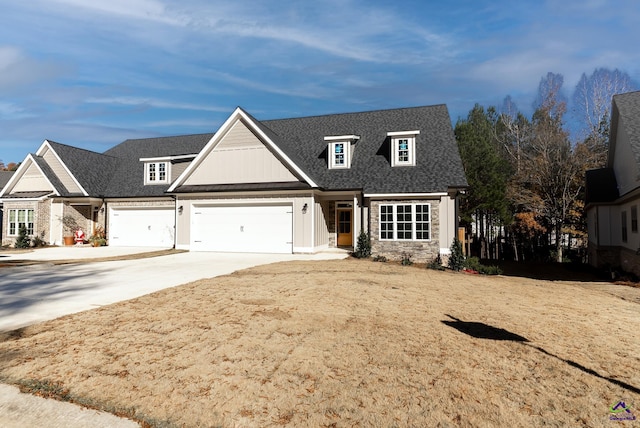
<point>175,220</point>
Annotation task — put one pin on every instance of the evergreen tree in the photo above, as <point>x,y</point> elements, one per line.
<point>456,258</point>
<point>363,247</point>
<point>23,240</point>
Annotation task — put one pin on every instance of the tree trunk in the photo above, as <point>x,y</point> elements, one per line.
<point>559,243</point>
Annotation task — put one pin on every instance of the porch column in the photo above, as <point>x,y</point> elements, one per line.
<point>356,221</point>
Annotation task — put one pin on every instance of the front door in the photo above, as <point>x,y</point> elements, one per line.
<point>345,232</point>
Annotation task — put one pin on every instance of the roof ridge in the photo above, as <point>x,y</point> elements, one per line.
<point>357,112</point>
<point>167,136</point>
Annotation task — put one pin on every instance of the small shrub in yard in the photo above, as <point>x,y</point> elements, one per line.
<point>23,240</point>
<point>379,258</point>
<point>38,241</point>
<point>473,263</point>
<point>435,264</point>
<point>456,259</point>
<point>406,259</point>
<point>363,249</point>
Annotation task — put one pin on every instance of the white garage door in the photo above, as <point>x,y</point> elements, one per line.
<point>242,229</point>
<point>141,227</point>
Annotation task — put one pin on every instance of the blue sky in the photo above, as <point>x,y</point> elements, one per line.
<point>94,73</point>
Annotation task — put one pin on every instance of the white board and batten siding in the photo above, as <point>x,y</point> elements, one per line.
<point>142,227</point>
<point>242,228</point>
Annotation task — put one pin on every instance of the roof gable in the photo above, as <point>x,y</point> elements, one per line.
<point>240,157</point>
<point>282,164</point>
<point>33,175</point>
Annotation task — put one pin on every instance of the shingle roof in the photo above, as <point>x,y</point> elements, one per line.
<point>128,177</point>
<point>91,169</point>
<point>5,176</point>
<point>627,107</point>
<point>118,171</point>
<point>438,164</point>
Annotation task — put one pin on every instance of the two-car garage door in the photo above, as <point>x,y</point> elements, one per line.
<point>241,228</point>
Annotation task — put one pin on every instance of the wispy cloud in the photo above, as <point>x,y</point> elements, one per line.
<point>155,103</point>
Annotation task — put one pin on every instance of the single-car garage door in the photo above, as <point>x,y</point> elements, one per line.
<point>242,229</point>
<point>141,227</point>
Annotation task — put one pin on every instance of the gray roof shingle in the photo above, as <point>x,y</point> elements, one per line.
<point>128,178</point>
<point>627,107</point>
<point>118,171</point>
<point>438,164</point>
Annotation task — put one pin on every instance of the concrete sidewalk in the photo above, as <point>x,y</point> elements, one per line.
<point>36,293</point>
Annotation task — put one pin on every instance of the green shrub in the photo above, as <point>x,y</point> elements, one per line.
<point>406,259</point>
<point>23,240</point>
<point>435,264</point>
<point>363,248</point>
<point>456,258</point>
<point>379,258</point>
<point>473,263</point>
<point>38,241</point>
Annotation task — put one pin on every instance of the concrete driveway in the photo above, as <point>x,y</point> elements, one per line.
<point>40,292</point>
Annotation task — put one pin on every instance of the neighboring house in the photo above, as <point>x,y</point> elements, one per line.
<point>275,186</point>
<point>5,176</point>
<point>613,193</point>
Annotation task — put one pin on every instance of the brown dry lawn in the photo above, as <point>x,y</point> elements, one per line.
<point>346,343</point>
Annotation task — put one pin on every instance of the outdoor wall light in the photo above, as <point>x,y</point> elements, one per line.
<point>304,208</point>
<point>180,209</point>
<point>102,210</point>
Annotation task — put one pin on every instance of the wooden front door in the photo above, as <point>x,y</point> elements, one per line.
<point>345,231</point>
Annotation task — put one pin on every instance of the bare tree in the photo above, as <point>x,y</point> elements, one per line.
<point>551,169</point>
<point>592,108</point>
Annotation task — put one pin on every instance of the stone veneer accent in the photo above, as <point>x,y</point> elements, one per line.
<point>420,251</point>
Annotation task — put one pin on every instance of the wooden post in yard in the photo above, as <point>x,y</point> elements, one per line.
<point>461,238</point>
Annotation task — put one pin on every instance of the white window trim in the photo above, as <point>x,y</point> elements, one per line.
<point>167,170</point>
<point>347,155</point>
<point>413,222</point>
<point>17,228</point>
<point>348,142</point>
<point>396,136</point>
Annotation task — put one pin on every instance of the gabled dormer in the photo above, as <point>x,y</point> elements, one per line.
<point>403,147</point>
<point>340,150</point>
<point>163,170</point>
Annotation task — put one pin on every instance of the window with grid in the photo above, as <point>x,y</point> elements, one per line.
<point>157,172</point>
<point>20,218</point>
<point>338,154</point>
<point>152,172</point>
<point>403,150</point>
<point>423,222</point>
<point>405,222</point>
<point>386,222</point>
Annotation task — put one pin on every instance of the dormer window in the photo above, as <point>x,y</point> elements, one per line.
<point>340,150</point>
<point>159,170</point>
<point>156,172</point>
<point>403,148</point>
